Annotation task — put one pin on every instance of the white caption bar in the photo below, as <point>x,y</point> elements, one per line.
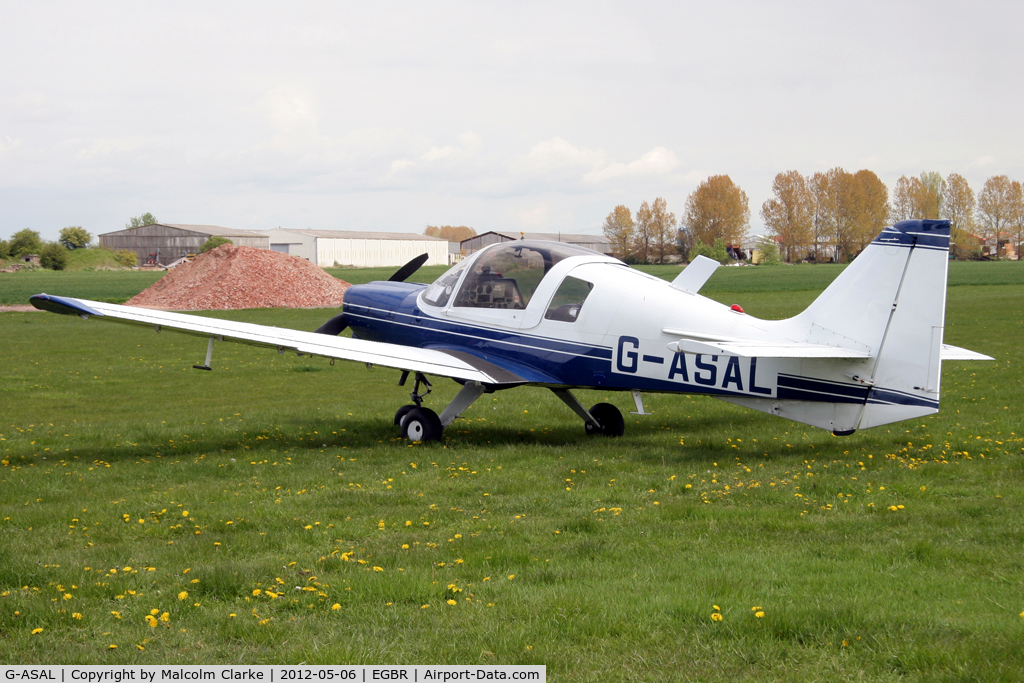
<point>342,673</point>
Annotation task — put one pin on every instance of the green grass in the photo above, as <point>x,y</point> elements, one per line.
<point>288,468</point>
<point>16,288</point>
<point>92,259</point>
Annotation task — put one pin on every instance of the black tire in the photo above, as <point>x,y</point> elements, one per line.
<point>610,419</point>
<point>402,412</point>
<point>421,424</point>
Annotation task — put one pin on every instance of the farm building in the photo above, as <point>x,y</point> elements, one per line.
<point>326,248</point>
<point>596,242</point>
<point>164,243</point>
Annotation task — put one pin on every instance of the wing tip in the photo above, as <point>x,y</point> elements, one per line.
<point>62,305</point>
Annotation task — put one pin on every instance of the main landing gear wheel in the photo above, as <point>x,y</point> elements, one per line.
<point>402,412</point>
<point>610,419</point>
<point>423,424</point>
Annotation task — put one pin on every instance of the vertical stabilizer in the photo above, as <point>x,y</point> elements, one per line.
<point>892,299</point>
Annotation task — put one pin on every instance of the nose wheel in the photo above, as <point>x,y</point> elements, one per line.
<point>421,424</point>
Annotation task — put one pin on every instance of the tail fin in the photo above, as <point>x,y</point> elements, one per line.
<point>892,300</point>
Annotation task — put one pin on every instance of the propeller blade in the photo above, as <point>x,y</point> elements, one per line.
<point>334,326</point>
<point>403,273</point>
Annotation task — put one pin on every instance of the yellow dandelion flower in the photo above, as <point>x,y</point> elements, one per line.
<point>184,513</point>
<point>36,631</point>
<point>424,606</point>
<point>256,591</point>
<point>336,606</point>
<point>451,602</point>
<point>716,616</point>
<point>154,611</point>
<point>759,614</point>
<point>378,569</point>
<point>716,608</point>
<point>76,615</point>
<point>511,576</point>
<point>182,595</point>
<point>151,621</point>
<point>232,615</point>
<point>112,647</point>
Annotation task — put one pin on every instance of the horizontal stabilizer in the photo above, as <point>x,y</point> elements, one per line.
<point>756,348</point>
<point>956,353</point>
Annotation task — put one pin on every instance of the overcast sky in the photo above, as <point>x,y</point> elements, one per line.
<point>501,116</point>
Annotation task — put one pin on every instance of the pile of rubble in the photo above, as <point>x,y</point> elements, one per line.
<point>231,277</point>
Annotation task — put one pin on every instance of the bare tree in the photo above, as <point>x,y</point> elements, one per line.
<point>995,209</point>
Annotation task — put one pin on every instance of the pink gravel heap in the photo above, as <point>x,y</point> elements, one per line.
<point>231,277</point>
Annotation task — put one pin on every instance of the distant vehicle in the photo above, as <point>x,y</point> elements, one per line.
<point>867,352</point>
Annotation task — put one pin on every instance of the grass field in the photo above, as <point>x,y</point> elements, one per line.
<point>268,512</point>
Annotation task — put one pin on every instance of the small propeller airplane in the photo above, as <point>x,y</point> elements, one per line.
<point>867,352</point>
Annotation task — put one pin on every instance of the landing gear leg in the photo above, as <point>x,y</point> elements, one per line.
<point>603,418</point>
<point>423,424</point>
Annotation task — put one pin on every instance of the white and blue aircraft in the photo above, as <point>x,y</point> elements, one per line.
<point>868,351</point>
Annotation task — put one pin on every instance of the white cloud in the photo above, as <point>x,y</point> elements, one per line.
<point>558,153</point>
<point>658,161</point>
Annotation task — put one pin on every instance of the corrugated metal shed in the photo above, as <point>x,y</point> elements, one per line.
<point>598,243</point>
<point>166,242</point>
<point>362,249</point>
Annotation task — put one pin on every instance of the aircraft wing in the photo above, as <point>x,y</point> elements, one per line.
<point>457,365</point>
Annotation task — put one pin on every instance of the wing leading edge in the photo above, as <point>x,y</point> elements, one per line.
<point>459,366</point>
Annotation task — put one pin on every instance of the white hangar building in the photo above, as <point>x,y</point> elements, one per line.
<point>325,248</point>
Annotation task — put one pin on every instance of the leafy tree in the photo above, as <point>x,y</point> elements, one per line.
<point>25,242</point>
<point>996,209</point>
<point>850,209</point>
<point>642,236</point>
<point>5,249</point>
<point>717,209</point>
<point>139,221</point>
<point>958,208</point>
<point>936,186</point>
<point>663,226</point>
<point>452,233</point>
<point>790,215</point>
<point>54,256</point>
<point>769,251</point>
<point>718,251</point>
<point>75,237</point>
<point>126,257</point>
<point>213,243</point>
<point>1017,214</point>
<point>618,227</point>
<point>870,207</point>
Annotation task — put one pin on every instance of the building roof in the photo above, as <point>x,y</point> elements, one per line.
<point>363,235</point>
<point>570,237</point>
<point>198,229</point>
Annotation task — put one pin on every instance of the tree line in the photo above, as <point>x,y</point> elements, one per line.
<point>829,216</point>
<point>54,255</point>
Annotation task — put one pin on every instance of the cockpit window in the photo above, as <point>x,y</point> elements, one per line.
<point>508,275</point>
<point>438,293</point>
<point>568,300</point>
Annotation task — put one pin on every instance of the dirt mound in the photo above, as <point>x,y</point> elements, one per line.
<point>231,277</point>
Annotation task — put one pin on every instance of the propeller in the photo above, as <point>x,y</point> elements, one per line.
<point>403,273</point>
<point>334,326</point>
<point>337,324</point>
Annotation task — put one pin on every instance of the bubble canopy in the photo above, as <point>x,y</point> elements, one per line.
<point>502,276</point>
